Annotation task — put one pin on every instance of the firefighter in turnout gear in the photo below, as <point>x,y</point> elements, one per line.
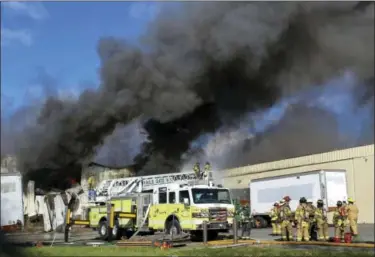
<point>245,221</point>
<point>237,213</point>
<point>312,224</point>
<point>321,221</point>
<point>197,170</point>
<point>352,211</point>
<point>274,215</point>
<point>207,169</point>
<point>286,217</point>
<point>339,221</point>
<point>302,220</point>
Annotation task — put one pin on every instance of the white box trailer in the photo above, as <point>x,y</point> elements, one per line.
<point>328,185</point>
<point>11,200</point>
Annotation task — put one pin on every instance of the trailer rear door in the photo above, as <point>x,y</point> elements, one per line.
<point>336,185</point>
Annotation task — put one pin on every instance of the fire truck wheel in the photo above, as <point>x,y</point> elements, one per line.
<point>103,230</point>
<point>116,231</point>
<point>260,222</point>
<point>173,226</point>
<point>212,235</point>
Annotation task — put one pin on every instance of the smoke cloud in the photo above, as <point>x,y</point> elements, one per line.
<point>201,69</point>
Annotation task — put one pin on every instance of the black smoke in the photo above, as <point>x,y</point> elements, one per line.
<point>198,69</point>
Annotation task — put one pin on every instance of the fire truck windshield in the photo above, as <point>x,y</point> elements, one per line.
<point>210,195</point>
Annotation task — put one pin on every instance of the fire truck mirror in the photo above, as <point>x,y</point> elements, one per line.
<point>186,202</point>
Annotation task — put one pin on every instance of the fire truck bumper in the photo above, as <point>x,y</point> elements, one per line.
<point>221,226</point>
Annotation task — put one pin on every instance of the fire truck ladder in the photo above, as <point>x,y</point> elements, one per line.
<point>123,186</point>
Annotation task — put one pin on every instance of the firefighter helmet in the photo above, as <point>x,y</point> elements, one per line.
<point>350,200</point>
<point>339,204</point>
<point>302,200</point>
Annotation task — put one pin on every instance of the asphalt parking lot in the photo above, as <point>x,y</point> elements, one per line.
<point>366,233</point>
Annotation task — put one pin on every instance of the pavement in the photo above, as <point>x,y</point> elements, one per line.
<point>88,235</point>
<point>366,233</point>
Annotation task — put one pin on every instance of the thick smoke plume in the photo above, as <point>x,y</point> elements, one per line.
<point>302,131</point>
<point>199,70</point>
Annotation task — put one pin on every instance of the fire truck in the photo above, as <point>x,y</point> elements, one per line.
<point>175,203</point>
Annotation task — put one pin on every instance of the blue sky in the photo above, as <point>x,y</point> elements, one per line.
<point>60,38</point>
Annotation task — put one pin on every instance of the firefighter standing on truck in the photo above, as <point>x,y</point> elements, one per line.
<point>302,220</point>
<point>339,221</point>
<point>207,169</point>
<point>274,215</point>
<point>197,170</point>
<point>352,211</point>
<point>91,187</point>
<point>321,221</point>
<point>285,216</point>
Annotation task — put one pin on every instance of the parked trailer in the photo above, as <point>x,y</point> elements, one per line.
<point>328,185</point>
<point>11,201</point>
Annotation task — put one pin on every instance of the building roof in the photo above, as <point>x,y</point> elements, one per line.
<point>110,167</point>
<point>332,156</point>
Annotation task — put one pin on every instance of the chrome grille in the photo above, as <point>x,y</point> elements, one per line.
<point>218,214</point>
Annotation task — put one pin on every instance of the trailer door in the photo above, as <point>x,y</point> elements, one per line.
<point>11,200</point>
<point>336,186</point>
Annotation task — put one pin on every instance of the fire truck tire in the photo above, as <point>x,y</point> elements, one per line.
<point>117,231</point>
<point>103,230</point>
<point>174,226</point>
<point>260,222</point>
<point>212,235</point>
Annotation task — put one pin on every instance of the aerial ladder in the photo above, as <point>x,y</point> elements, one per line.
<point>123,186</point>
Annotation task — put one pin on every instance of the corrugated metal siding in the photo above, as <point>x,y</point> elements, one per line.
<point>303,161</point>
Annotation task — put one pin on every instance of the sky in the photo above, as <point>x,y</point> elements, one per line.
<point>60,40</point>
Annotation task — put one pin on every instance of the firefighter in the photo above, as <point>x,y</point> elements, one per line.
<point>91,187</point>
<point>302,220</point>
<point>321,221</point>
<point>312,223</point>
<point>207,169</point>
<point>245,220</point>
<point>237,213</point>
<point>285,216</point>
<point>197,170</point>
<point>352,211</point>
<point>274,215</point>
<point>339,221</point>
<point>287,199</point>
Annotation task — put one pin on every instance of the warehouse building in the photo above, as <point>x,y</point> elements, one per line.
<point>358,162</point>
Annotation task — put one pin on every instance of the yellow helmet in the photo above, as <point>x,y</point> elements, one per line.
<point>350,200</point>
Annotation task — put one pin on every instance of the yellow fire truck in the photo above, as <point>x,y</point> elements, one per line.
<point>173,203</point>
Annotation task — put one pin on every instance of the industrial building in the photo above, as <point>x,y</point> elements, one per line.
<point>358,162</point>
